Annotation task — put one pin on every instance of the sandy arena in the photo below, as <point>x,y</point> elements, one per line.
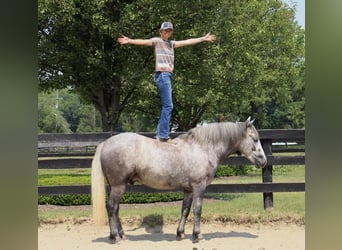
<point>216,236</point>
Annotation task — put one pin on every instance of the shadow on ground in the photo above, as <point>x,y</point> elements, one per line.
<point>154,224</point>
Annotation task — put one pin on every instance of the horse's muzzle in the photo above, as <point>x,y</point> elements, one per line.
<point>261,163</point>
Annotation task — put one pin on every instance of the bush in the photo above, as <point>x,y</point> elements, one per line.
<point>128,198</point>
<point>65,199</point>
<point>223,171</point>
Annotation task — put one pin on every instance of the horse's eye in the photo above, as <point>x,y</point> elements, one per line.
<point>255,139</point>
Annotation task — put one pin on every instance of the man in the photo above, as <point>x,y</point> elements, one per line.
<point>164,65</point>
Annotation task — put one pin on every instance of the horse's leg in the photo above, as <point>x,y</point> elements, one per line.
<point>116,231</point>
<point>197,204</point>
<point>186,206</point>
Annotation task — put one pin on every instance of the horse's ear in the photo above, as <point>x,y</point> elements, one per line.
<point>249,122</point>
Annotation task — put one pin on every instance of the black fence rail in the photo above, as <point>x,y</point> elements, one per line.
<point>64,151</point>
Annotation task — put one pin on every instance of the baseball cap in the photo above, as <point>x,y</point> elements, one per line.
<point>166,25</point>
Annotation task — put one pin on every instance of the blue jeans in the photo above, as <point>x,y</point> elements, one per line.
<point>163,82</point>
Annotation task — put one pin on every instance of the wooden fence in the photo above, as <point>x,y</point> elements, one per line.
<point>52,149</point>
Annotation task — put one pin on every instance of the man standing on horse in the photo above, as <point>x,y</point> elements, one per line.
<point>164,57</point>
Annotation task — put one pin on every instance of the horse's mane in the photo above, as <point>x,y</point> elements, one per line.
<point>215,132</point>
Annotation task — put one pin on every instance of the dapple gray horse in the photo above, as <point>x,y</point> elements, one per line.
<point>188,163</point>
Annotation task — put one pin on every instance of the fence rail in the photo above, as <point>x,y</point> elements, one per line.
<point>51,148</point>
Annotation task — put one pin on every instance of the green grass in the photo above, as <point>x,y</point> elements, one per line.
<point>280,174</point>
<point>59,177</point>
<point>236,208</point>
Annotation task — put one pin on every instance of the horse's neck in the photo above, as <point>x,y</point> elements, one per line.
<point>229,144</point>
<point>221,139</point>
<point>223,150</point>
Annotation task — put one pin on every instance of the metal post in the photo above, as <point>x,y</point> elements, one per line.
<point>267,175</point>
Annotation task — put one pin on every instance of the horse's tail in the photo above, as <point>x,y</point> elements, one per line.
<point>98,189</point>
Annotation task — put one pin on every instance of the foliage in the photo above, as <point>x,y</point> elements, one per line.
<point>128,198</point>
<point>70,105</point>
<point>90,120</point>
<point>75,48</point>
<point>262,57</point>
<point>256,67</point>
<point>50,118</point>
<point>223,171</point>
<point>131,198</point>
<point>65,200</point>
<point>71,114</point>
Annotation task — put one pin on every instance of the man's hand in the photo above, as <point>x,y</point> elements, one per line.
<point>123,39</point>
<point>209,38</point>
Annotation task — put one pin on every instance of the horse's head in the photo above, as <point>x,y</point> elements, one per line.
<point>250,145</point>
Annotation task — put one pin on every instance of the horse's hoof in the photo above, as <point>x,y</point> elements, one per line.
<point>180,236</point>
<point>113,240</point>
<point>124,237</point>
<point>196,238</point>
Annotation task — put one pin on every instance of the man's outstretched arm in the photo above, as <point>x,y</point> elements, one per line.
<point>207,38</point>
<point>125,40</point>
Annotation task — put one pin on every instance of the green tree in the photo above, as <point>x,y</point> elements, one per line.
<point>61,111</point>
<point>69,104</point>
<point>90,120</point>
<point>258,64</point>
<point>76,48</point>
<point>255,68</point>
<point>50,118</point>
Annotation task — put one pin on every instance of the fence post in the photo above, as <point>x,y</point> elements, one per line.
<point>267,175</point>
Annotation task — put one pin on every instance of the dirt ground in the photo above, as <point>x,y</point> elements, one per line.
<point>216,236</point>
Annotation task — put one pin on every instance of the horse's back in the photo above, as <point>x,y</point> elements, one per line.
<point>121,143</point>
<point>125,138</point>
